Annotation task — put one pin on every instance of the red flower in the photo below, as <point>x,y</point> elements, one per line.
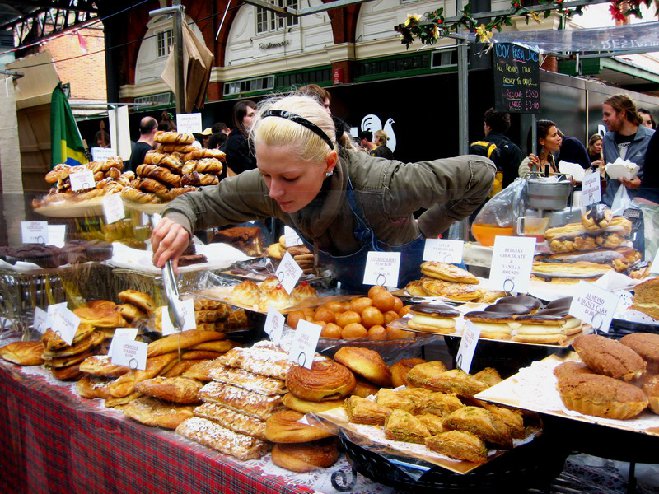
<point>440,21</point>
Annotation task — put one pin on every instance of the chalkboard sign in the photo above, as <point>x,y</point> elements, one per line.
<point>516,79</point>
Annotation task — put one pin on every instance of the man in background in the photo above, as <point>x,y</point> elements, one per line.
<point>148,129</point>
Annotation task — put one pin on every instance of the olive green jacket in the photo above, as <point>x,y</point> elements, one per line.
<point>389,192</point>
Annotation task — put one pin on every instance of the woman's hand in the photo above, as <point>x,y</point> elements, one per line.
<point>168,241</point>
<point>601,166</point>
<point>633,183</point>
<point>534,162</point>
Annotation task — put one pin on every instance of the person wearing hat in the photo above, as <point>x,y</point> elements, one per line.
<point>205,135</point>
<point>343,203</point>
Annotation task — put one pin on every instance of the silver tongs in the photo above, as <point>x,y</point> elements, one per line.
<point>172,296</point>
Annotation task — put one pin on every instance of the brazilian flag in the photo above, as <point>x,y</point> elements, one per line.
<point>64,135</point>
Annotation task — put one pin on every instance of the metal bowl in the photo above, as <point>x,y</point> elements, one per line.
<point>550,195</point>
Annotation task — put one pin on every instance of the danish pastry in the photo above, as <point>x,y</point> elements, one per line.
<point>327,380</point>
<point>285,427</point>
<point>304,406</point>
<point>221,439</point>
<point>180,390</point>
<point>157,413</point>
<point>461,445</point>
<point>448,272</point>
<point>174,138</point>
<point>139,299</point>
<point>241,400</point>
<point>366,363</point>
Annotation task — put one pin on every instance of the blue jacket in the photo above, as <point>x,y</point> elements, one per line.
<point>635,154</point>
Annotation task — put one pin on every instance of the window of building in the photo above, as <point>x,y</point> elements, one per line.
<point>249,85</point>
<point>165,40</point>
<point>268,20</point>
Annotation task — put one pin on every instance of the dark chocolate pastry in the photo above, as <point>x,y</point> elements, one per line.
<point>526,300</point>
<point>435,310</point>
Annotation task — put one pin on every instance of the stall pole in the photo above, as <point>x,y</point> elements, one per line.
<point>178,53</point>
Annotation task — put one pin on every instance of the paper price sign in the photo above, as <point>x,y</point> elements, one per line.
<point>188,123</point>
<point>468,343</point>
<point>56,235</point>
<point>443,250</point>
<point>40,320</point>
<point>655,264</point>
<point>591,189</point>
<point>274,325</point>
<point>512,259</point>
<point>51,310</point>
<point>34,232</point>
<point>288,273</point>
<point>382,268</point>
<point>594,306</point>
<point>113,208</point>
<point>128,334</point>
<point>65,323</point>
<point>130,353</point>
<point>82,180</point>
<point>291,237</point>
<point>186,307</point>
<point>102,154</point>
<point>303,345</point>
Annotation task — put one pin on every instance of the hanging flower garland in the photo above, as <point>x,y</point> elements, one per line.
<point>620,9</point>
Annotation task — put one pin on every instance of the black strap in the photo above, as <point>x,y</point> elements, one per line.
<point>294,117</point>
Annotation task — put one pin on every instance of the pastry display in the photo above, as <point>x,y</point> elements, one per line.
<point>447,272</point>
<point>157,413</point>
<point>433,318</point>
<point>23,352</point>
<point>325,381</point>
<point>269,294</point>
<point>609,357</point>
<point>365,363</point>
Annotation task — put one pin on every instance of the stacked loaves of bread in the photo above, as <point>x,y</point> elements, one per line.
<point>361,317</point>
<point>588,249</point>
<point>108,179</point>
<point>174,168</point>
<point>447,280</point>
<point>615,379</point>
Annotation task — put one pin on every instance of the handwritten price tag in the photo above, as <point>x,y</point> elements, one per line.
<point>512,259</point>
<point>121,334</point>
<point>274,325</point>
<point>34,232</point>
<point>113,208</point>
<point>468,343</point>
<point>65,323</point>
<point>102,154</point>
<point>188,123</point>
<point>291,236</point>
<point>591,189</point>
<point>303,344</point>
<point>443,250</point>
<point>382,268</point>
<point>82,180</point>
<point>186,308</point>
<point>594,306</point>
<point>130,353</point>
<point>288,273</point>
<point>40,320</point>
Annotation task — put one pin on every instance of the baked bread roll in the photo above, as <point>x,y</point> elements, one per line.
<point>285,427</point>
<point>366,363</point>
<point>647,346</point>
<point>609,357</point>
<point>305,406</point>
<point>157,413</point>
<point>173,389</point>
<point>23,352</point>
<point>327,380</point>
<point>302,458</point>
<point>448,272</point>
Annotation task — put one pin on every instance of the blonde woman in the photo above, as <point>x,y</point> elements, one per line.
<point>343,203</point>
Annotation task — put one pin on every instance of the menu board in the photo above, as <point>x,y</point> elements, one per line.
<point>516,71</point>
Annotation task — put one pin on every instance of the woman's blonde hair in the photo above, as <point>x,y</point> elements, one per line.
<point>381,138</point>
<point>279,132</point>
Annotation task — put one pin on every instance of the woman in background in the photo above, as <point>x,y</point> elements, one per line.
<point>548,142</point>
<point>240,156</point>
<point>381,150</point>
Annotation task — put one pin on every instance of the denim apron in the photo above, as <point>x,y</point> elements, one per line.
<point>349,269</point>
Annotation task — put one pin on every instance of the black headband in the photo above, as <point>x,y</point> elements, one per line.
<point>294,117</point>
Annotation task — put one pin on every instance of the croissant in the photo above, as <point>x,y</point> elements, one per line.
<point>113,172</point>
<point>172,194</point>
<point>327,380</point>
<point>171,163</point>
<point>134,195</point>
<point>209,165</point>
<point>159,173</point>
<point>151,185</point>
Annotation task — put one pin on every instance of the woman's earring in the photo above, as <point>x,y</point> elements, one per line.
<point>329,173</point>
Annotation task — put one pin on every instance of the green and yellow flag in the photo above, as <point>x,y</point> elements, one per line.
<point>64,135</point>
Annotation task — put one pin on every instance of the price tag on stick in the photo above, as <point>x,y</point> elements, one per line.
<point>303,345</point>
<point>65,323</point>
<point>468,343</point>
<point>382,268</point>
<point>291,237</point>
<point>130,353</point>
<point>594,306</point>
<point>113,208</point>
<point>121,334</point>
<point>40,320</point>
<point>274,325</point>
<point>591,189</point>
<point>288,273</point>
<point>34,232</point>
<point>443,250</point>
<point>512,260</point>
<point>82,180</point>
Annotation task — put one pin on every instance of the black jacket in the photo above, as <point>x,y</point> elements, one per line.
<point>508,156</point>
<point>239,155</point>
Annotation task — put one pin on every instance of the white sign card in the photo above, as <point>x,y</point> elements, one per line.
<point>291,237</point>
<point>594,305</point>
<point>443,250</point>
<point>102,154</point>
<point>187,310</point>
<point>155,219</point>
<point>512,260</point>
<point>130,353</point>
<point>655,263</point>
<point>82,180</point>
<point>122,253</point>
<point>591,189</point>
<point>121,334</point>
<point>40,320</point>
<point>56,235</point>
<point>468,343</point>
<point>34,232</point>
<point>303,345</point>
<point>113,208</point>
<point>288,273</point>
<point>274,325</point>
<point>382,268</point>
<point>188,123</point>
<point>65,323</point>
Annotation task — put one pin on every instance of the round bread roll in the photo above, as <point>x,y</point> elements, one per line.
<point>293,317</point>
<point>372,316</point>
<point>331,330</point>
<point>360,303</point>
<point>366,363</point>
<point>306,457</point>
<point>304,406</point>
<point>327,380</point>
<point>348,317</point>
<point>400,370</point>
<point>353,331</point>
<point>377,333</point>
<point>285,427</point>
